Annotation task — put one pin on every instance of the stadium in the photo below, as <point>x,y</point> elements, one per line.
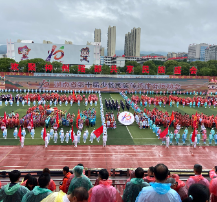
<point>134,123</point>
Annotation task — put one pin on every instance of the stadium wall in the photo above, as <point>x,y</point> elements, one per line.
<point>104,83</point>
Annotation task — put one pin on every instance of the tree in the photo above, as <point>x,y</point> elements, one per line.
<point>57,67</point>
<point>73,69</point>
<point>5,64</point>
<point>152,67</point>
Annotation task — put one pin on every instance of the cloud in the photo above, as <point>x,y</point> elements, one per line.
<point>166,25</point>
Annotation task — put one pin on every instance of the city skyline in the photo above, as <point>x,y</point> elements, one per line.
<point>168,25</point>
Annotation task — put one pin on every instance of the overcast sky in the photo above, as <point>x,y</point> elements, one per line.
<point>166,25</point>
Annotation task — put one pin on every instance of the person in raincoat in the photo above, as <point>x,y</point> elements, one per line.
<point>104,191</point>
<point>39,192</point>
<point>134,186</point>
<point>13,191</point>
<point>79,180</point>
<point>159,191</point>
<point>79,194</point>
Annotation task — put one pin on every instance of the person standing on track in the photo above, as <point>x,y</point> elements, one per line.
<point>22,141</point>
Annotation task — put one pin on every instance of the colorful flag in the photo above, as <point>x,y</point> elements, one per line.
<point>164,133</point>
<point>98,131</point>
<point>57,120</point>
<point>5,118</point>
<point>74,97</point>
<point>31,120</point>
<point>78,117</point>
<point>44,134</point>
<point>194,126</point>
<point>19,133</point>
<point>171,118</point>
<point>72,136</point>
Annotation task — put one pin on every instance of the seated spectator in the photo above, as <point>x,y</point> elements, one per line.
<point>80,180</point>
<point>198,178</point>
<point>27,176</point>
<point>180,189</point>
<point>159,191</point>
<point>197,193</point>
<point>78,195</point>
<point>52,185</point>
<point>132,175</point>
<point>67,175</point>
<point>213,173</point>
<point>39,192</point>
<point>13,191</point>
<point>134,186</point>
<point>31,183</point>
<point>213,189</point>
<point>150,177</point>
<point>104,191</point>
<point>71,177</point>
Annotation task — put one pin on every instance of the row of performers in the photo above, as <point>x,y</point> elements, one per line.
<point>42,116</point>
<point>161,118</point>
<point>49,96</point>
<point>172,100</point>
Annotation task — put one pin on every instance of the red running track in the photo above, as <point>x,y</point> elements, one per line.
<point>56,157</point>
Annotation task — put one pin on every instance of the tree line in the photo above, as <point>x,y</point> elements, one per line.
<point>203,68</point>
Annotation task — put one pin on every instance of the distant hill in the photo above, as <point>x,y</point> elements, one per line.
<point>3,49</point>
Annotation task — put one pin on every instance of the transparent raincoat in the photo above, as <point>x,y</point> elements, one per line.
<point>55,197</point>
<point>12,194</point>
<point>37,194</point>
<point>158,192</point>
<point>79,180</point>
<point>133,188</point>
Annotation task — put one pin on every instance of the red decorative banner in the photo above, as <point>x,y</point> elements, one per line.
<point>31,67</point>
<point>145,69</point>
<point>14,67</point>
<point>161,70</point>
<point>129,69</point>
<point>193,70</point>
<point>48,67</point>
<point>65,68</point>
<point>113,69</point>
<point>177,70</point>
<point>81,68</point>
<point>97,68</point>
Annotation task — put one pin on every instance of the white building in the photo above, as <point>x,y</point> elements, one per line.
<point>97,35</point>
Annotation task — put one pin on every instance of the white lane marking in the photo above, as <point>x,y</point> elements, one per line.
<point>129,132</point>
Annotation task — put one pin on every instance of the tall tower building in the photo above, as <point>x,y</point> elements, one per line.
<point>111,42</point>
<point>97,35</point>
<point>132,42</point>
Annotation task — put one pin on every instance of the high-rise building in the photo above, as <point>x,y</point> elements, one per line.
<point>211,53</point>
<point>197,52</point>
<point>111,42</point>
<point>132,42</point>
<point>97,35</point>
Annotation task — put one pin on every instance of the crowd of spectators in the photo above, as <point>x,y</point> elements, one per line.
<point>158,186</point>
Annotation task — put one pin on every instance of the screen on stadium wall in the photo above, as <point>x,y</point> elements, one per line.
<point>64,53</point>
<point>104,84</point>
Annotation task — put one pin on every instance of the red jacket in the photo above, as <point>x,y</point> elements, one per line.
<point>65,179</point>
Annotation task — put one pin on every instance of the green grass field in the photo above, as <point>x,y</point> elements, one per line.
<point>122,135</point>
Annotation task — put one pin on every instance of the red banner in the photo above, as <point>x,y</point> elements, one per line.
<point>48,67</point>
<point>145,69</point>
<point>97,68</point>
<point>14,67</point>
<point>113,69</point>
<point>177,70</point>
<point>31,67</point>
<point>129,69</point>
<point>161,70</point>
<point>193,70</point>
<point>65,68</point>
<point>81,68</point>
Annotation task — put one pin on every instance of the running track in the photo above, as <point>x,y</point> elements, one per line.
<point>56,157</point>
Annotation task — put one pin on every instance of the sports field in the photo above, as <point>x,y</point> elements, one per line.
<point>122,135</point>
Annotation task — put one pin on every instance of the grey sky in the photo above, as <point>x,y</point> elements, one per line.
<point>166,25</point>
